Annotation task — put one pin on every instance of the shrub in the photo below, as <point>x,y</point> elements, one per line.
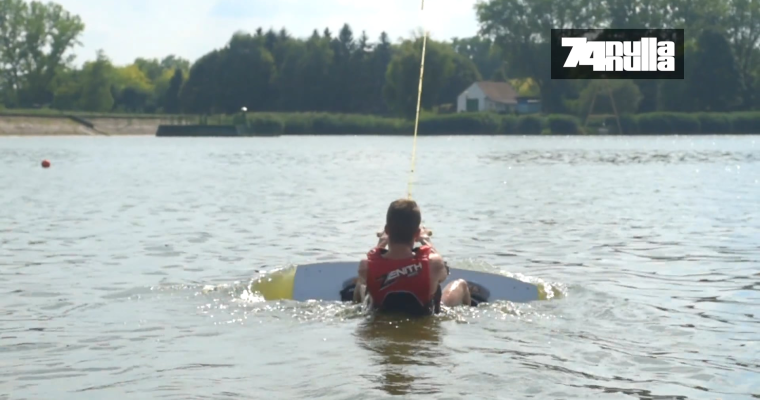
<point>563,124</point>
<point>265,124</point>
<point>714,123</point>
<point>461,123</point>
<point>683,123</point>
<point>746,122</point>
<point>628,122</point>
<point>655,123</point>
<point>508,125</point>
<point>529,125</point>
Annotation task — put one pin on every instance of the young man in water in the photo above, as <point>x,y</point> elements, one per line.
<point>403,278</point>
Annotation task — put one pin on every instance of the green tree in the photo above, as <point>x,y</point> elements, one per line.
<point>270,40</point>
<point>314,74</point>
<point>171,99</point>
<point>402,78</point>
<point>743,31</point>
<point>12,23</point>
<point>343,74</point>
<point>34,41</point>
<point>637,14</point>
<point>249,75</point>
<point>201,92</point>
<point>151,68</point>
<point>288,76</point>
<point>463,74</point>
<point>716,83</point>
<point>132,90</point>
<point>97,78</point>
<point>172,62</point>
<point>377,64</point>
<point>483,53</point>
<point>68,90</point>
<point>694,16</point>
<point>360,82</point>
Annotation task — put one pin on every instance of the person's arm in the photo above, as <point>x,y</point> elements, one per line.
<point>361,281</point>
<point>435,256</point>
<point>382,240</point>
<point>425,240</point>
<point>438,269</point>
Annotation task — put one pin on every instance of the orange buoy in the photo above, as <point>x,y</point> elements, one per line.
<point>45,163</point>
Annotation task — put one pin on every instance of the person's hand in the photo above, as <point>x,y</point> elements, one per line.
<point>383,239</point>
<point>425,233</point>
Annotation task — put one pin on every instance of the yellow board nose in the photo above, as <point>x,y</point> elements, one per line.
<point>276,285</point>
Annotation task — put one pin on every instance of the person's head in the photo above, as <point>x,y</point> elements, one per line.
<point>402,222</point>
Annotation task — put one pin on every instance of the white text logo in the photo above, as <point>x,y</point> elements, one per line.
<point>648,54</point>
<point>409,271</point>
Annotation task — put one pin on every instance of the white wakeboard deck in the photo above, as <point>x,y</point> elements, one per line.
<point>324,281</point>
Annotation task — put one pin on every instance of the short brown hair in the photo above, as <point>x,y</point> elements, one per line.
<point>402,221</point>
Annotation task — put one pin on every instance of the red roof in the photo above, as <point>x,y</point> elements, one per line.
<point>499,92</point>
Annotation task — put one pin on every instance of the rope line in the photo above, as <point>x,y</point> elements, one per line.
<point>417,117</point>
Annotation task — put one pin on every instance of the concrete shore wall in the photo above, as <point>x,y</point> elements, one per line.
<point>11,125</point>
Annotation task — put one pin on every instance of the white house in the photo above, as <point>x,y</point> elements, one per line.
<point>488,96</point>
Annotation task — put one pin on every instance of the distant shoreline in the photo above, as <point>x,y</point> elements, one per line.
<point>53,123</point>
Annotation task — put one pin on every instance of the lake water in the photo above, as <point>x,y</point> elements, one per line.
<point>124,267</point>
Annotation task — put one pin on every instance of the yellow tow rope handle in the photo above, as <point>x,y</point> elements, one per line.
<point>417,117</point>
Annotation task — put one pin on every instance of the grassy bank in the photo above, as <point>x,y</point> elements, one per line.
<point>432,124</point>
<point>496,124</point>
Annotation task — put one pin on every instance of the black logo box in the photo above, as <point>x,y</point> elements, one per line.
<point>559,54</point>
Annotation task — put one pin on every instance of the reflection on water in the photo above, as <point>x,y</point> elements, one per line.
<point>402,348</point>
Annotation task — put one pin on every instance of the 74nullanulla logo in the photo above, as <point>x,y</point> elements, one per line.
<point>645,55</point>
<point>617,54</point>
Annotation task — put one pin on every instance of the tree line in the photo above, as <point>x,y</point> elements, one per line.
<point>346,72</point>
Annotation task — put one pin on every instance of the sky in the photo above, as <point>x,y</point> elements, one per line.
<point>129,29</point>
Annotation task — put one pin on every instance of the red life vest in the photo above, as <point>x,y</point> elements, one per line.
<point>403,283</point>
